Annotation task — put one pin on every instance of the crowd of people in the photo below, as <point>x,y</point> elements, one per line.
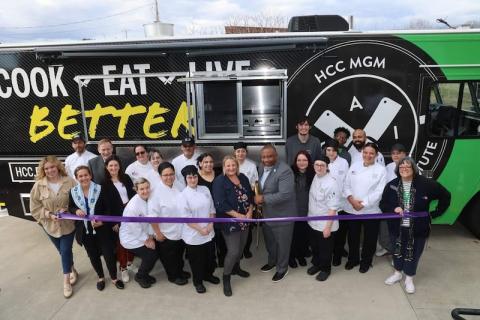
<point>318,179</point>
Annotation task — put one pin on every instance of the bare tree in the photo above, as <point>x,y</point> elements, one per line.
<point>419,24</point>
<point>472,23</point>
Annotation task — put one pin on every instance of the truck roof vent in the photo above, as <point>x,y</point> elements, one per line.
<point>317,23</point>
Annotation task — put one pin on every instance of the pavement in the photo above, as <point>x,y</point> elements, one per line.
<point>31,286</point>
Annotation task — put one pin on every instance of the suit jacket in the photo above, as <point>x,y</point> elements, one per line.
<point>97,166</point>
<point>278,192</point>
<point>114,204</point>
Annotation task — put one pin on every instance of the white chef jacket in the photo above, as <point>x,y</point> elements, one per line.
<point>338,170</point>
<point>196,203</point>
<point>324,195</point>
<point>249,169</point>
<point>133,234</point>
<point>164,203</point>
<point>391,171</point>
<point>75,160</point>
<point>181,162</point>
<point>365,184</point>
<point>357,156</point>
<point>137,170</point>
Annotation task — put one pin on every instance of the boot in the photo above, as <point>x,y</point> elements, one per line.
<point>227,288</point>
<point>240,272</point>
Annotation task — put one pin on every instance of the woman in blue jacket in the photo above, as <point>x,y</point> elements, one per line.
<point>410,192</point>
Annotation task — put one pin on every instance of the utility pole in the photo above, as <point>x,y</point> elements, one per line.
<point>157,16</point>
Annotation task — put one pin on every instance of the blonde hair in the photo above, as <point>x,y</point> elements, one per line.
<point>138,182</point>
<point>52,159</point>
<point>230,157</point>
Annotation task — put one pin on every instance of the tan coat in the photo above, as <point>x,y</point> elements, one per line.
<point>43,201</point>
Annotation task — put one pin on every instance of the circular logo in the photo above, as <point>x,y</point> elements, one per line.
<point>371,85</point>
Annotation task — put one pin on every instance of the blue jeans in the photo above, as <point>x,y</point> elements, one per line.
<point>64,246</point>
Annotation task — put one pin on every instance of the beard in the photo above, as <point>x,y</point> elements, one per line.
<point>358,144</point>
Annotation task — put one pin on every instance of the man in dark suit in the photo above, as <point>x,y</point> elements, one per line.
<point>277,184</point>
<point>97,164</point>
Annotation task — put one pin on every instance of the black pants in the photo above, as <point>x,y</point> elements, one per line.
<point>202,261</point>
<point>300,240</point>
<point>170,253</point>
<point>322,250</point>
<point>340,237</point>
<point>370,235</point>
<point>101,244</point>
<point>148,257</point>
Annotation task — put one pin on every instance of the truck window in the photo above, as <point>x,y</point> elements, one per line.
<point>220,107</point>
<point>454,109</point>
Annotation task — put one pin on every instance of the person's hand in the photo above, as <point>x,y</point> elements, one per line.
<point>259,199</point>
<point>53,216</point>
<point>150,243</point>
<point>210,227</point>
<point>204,231</point>
<point>160,237</point>
<point>80,213</point>
<point>356,204</point>
<point>96,223</point>
<point>249,214</point>
<point>398,210</point>
<point>327,232</point>
<point>62,210</point>
<point>116,227</point>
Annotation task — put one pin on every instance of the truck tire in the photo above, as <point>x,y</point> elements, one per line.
<point>470,216</point>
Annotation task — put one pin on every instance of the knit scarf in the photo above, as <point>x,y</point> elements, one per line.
<point>79,199</point>
<point>409,229</point>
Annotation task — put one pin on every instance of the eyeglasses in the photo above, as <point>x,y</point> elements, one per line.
<point>320,165</point>
<point>140,153</point>
<point>405,167</point>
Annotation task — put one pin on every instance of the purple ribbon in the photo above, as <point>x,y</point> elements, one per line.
<point>372,216</point>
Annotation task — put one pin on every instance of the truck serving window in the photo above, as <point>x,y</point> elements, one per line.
<point>239,104</point>
<point>454,109</point>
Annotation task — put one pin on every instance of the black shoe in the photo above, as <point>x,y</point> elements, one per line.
<point>302,262</point>
<point>238,271</point>
<point>200,288</point>
<point>292,264</point>
<point>119,284</point>
<point>212,279</point>
<point>186,274</point>
<point>179,281</point>
<point>364,268</point>
<point>100,285</point>
<point>278,276</point>
<point>336,261</point>
<point>312,270</point>
<point>322,276</point>
<point>247,254</point>
<point>150,279</point>
<point>344,253</point>
<point>143,282</point>
<point>227,288</point>
<point>266,268</point>
<point>350,265</point>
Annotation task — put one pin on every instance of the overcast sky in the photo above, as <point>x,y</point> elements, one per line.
<point>29,20</point>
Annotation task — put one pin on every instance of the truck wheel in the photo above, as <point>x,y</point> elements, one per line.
<point>470,217</point>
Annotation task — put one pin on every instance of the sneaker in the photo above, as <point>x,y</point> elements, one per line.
<point>279,276</point>
<point>312,270</point>
<point>409,286</point>
<point>350,265</point>
<point>67,290</point>
<point>73,276</point>
<point>394,278</point>
<point>322,276</point>
<point>267,268</point>
<point>100,285</point>
<point>144,283</point>
<point>381,252</point>
<point>125,275</point>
